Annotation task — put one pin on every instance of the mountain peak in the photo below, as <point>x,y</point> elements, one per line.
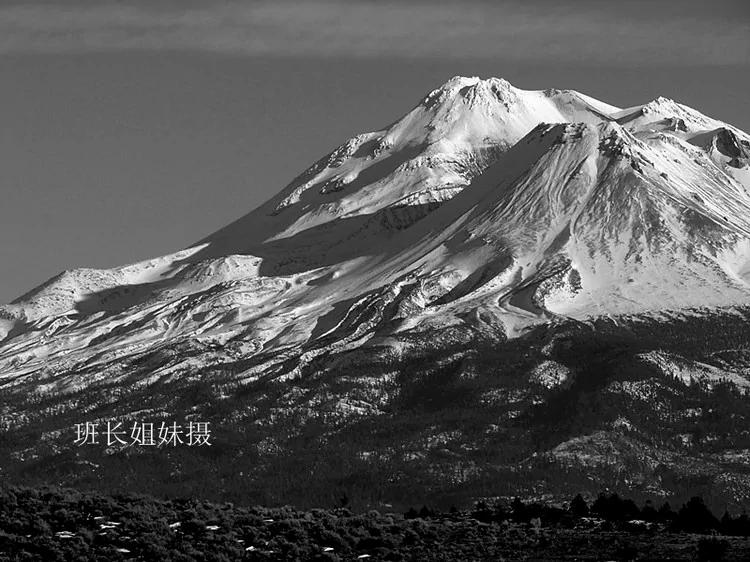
<point>490,91</point>
<point>663,111</point>
<point>470,90</point>
<point>660,104</point>
<point>458,82</point>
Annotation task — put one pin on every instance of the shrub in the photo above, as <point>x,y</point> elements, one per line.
<point>695,517</point>
<point>579,507</point>
<point>712,550</point>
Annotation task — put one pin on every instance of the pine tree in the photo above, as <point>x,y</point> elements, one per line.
<point>579,507</point>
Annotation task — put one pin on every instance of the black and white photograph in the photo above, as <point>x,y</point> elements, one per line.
<point>374,280</point>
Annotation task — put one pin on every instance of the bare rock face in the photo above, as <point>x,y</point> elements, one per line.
<point>498,251</point>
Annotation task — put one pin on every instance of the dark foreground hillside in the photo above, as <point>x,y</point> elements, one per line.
<point>58,524</point>
<point>644,408</point>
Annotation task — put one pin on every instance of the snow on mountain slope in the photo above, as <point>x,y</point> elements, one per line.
<point>485,206</point>
<point>424,158</point>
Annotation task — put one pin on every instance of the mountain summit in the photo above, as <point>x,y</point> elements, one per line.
<point>486,213</point>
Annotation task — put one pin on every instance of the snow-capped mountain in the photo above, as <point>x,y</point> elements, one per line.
<point>524,205</point>
<point>484,213</point>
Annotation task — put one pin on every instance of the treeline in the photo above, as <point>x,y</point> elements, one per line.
<point>692,517</point>
<point>54,524</point>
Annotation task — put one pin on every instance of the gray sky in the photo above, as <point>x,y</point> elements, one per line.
<point>640,32</point>
<point>131,129</point>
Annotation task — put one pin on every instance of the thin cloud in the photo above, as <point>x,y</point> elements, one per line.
<point>595,32</point>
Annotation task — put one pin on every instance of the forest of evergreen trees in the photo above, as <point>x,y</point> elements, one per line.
<point>61,524</point>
